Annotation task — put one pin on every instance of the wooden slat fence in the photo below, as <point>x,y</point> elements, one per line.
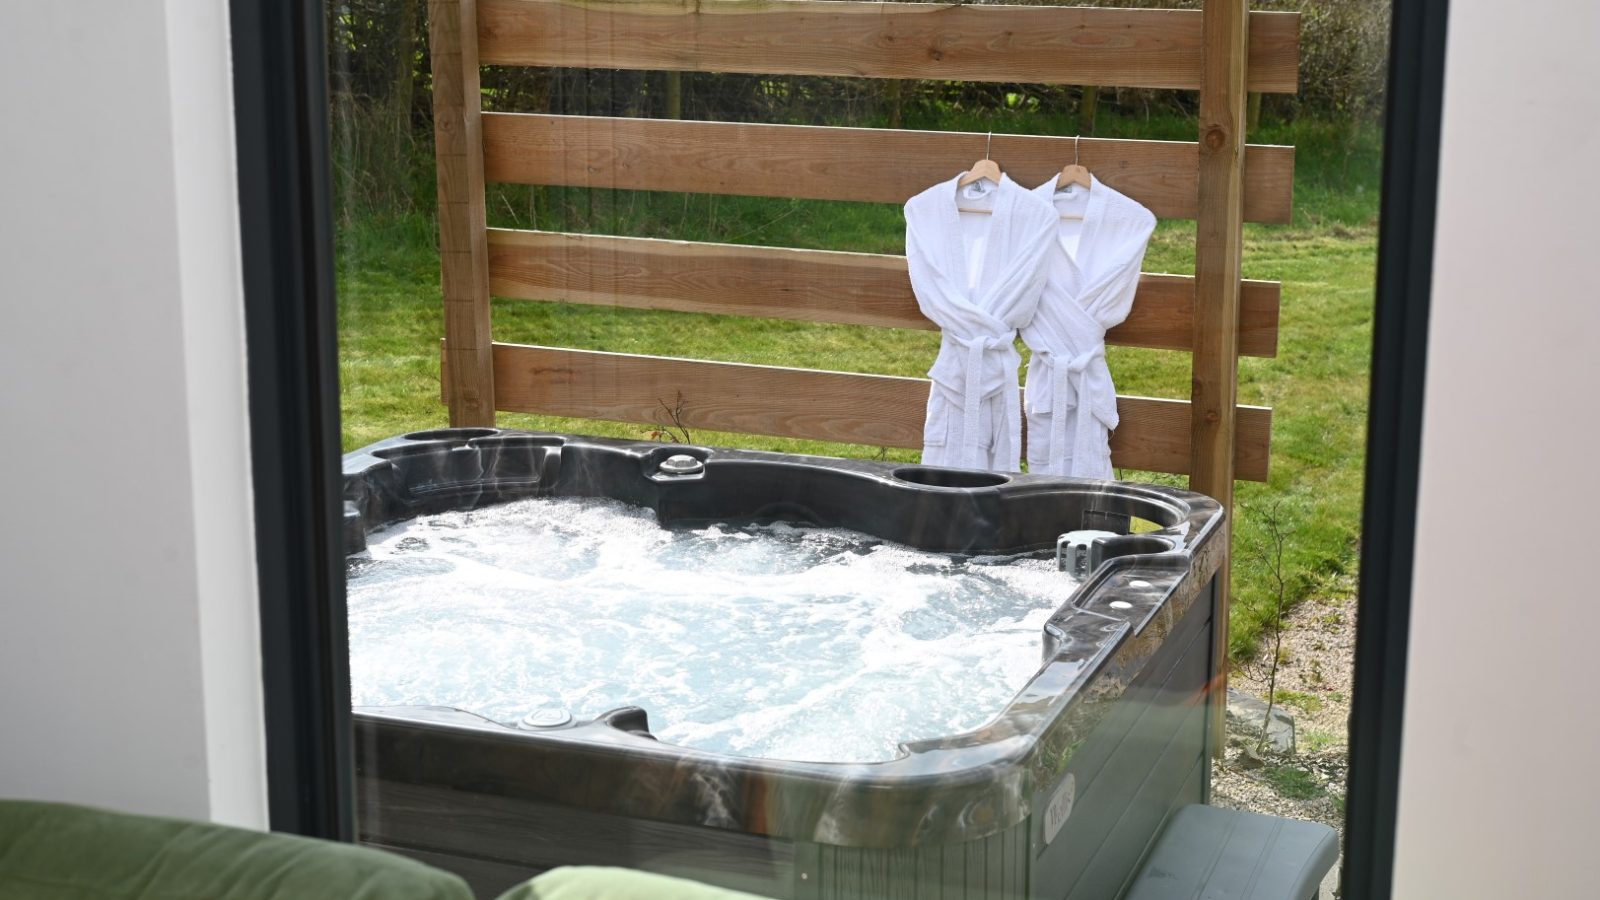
<point>1141,48</point>
<point>844,407</point>
<point>1148,48</point>
<point>804,285</point>
<point>877,165</point>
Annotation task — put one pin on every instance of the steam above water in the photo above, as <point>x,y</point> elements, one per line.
<point>774,641</point>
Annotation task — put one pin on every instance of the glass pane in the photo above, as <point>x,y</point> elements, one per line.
<point>748,486</point>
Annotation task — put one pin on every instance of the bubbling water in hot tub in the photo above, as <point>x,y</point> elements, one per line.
<point>775,641</point>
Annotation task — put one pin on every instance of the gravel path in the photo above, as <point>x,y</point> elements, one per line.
<point>1313,685</point>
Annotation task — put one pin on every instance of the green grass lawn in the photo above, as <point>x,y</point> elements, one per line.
<point>390,322</point>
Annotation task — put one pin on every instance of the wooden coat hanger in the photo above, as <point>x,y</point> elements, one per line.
<point>1074,174</point>
<point>983,168</point>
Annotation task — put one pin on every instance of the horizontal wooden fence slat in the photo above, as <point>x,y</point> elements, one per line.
<point>1147,48</point>
<point>804,285</point>
<point>875,410</point>
<point>878,165</point>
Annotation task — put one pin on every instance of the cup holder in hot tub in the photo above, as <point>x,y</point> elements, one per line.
<point>1142,545</point>
<point>950,478</point>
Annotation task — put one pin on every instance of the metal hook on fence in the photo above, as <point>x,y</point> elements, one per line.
<point>987,145</point>
<point>1075,149</point>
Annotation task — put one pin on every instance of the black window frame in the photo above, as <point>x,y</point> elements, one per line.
<point>284,161</point>
<point>1407,210</point>
<point>291,341</point>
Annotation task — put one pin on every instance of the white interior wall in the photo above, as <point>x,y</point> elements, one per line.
<point>1498,785</point>
<point>129,655</point>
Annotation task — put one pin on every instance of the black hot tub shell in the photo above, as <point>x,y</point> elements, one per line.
<point>1061,794</point>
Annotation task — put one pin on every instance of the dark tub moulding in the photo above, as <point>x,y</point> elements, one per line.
<point>1058,795</point>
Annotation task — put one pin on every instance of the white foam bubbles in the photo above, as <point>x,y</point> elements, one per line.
<point>776,641</point>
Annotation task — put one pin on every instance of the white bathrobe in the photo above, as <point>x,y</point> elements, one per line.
<point>979,292</point>
<point>1071,402</point>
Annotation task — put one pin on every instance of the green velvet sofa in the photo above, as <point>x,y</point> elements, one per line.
<point>52,851</point>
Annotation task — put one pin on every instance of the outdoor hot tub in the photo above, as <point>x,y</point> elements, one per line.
<point>1058,792</point>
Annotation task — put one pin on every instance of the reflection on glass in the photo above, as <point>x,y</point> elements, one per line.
<point>682,230</point>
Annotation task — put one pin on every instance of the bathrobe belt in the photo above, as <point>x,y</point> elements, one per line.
<point>1083,381</point>
<point>972,396</point>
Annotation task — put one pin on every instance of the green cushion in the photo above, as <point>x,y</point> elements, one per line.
<point>50,851</point>
<point>597,883</point>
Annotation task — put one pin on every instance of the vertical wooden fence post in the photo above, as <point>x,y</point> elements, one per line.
<point>674,82</point>
<point>1218,246</point>
<point>1087,104</point>
<point>463,237</point>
